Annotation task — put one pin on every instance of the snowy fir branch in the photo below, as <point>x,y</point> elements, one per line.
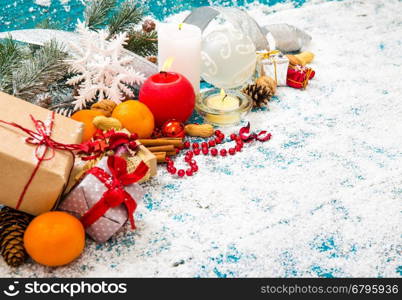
<point>97,12</point>
<point>143,43</point>
<point>11,56</point>
<point>41,69</point>
<point>124,20</point>
<point>106,14</point>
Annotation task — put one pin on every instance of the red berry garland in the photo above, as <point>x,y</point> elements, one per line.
<point>244,136</point>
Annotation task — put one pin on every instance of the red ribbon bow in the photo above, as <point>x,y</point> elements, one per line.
<point>115,193</point>
<point>106,141</point>
<point>247,136</point>
<point>41,138</point>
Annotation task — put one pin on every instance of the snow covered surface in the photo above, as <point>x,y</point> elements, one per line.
<point>322,198</point>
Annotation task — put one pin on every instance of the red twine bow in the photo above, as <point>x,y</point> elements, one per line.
<point>106,141</point>
<point>247,137</point>
<point>115,193</point>
<point>43,142</point>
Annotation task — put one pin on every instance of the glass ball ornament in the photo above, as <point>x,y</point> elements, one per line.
<point>173,129</point>
<point>228,57</point>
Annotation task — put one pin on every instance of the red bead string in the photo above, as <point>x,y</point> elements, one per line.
<point>208,148</point>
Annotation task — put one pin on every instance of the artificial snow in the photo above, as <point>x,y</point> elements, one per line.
<point>322,198</point>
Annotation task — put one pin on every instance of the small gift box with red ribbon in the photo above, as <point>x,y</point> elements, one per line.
<point>273,64</point>
<point>299,76</point>
<point>106,197</point>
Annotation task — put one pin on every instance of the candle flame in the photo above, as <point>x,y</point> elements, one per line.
<point>180,26</point>
<point>167,64</point>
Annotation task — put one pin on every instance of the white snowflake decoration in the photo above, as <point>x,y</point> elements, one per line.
<point>103,69</point>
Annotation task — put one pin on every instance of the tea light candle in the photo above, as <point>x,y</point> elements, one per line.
<point>183,43</point>
<point>221,108</point>
<point>223,102</point>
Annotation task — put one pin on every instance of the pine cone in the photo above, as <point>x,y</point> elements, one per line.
<point>259,94</point>
<point>148,26</point>
<point>12,227</point>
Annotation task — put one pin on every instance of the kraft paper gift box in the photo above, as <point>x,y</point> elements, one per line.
<point>273,65</point>
<point>18,160</point>
<point>87,193</point>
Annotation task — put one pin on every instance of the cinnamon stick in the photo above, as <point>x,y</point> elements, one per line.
<point>176,142</point>
<point>165,148</point>
<point>171,153</point>
<point>160,156</point>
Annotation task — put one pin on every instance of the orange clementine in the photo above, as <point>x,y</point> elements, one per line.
<point>54,238</point>
<point>86,116</point>
<point>135,117</point>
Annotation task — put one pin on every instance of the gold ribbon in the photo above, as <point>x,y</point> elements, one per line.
<point>270,55</point>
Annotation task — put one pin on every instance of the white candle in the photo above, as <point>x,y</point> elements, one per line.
<point>183,44</point>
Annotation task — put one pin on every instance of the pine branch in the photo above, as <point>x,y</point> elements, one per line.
<point>11,56</point>
<point>142,43</point>
<point>96,13</point>
<point>129,15</point>
<point>37,73</point>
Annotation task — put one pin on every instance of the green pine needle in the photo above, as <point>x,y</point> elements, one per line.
<point>41,69</point>
<point>125,18</point>
<point>97,12</point>
<point>142,43</point>
<point>11,56</point>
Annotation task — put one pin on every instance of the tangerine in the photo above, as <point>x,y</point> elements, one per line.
<point>136,117</point>
<point>86,116</point>
<point>54,238</point>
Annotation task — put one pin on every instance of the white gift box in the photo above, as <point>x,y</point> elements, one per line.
<point>87,193</point>
<point>273,64</point>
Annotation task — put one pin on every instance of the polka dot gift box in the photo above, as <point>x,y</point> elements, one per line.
<point>106,198</point>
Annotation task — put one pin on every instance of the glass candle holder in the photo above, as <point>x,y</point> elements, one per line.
<point>221,110</point>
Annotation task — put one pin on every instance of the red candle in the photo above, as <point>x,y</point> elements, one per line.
<point>169,96</point>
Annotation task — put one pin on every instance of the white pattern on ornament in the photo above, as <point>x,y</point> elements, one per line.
<point>228,57</point>
<point>103,69</point>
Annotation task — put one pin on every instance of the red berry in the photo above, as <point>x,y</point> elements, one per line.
<point>170,163</point>
<point>211,143</point>
<point>197,151</point>
<point>218,132</point>
<point>168,159</point>
<point>180,173</point>
<point>172,170</point>
<point>240,143</point>
<point>218,141</point>
<point>196,146</point>
<point>194,168</point>
<point>233,136</point>
<point>190,153</point>
<point>186,144</point>
<point>205,151</point>
<point>192,162</point>
<point>177,150</point>
<point>187,158</point>
<point>204,145</point>
<point>189,172</point>
<point>214,152</point>
<point>232,151</point>
<point>223,152</point>
<point>238,148</point>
